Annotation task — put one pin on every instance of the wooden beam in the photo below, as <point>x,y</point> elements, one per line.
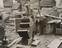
<point>54,21</point>
<point>15,41</point>
<point>52,16</point>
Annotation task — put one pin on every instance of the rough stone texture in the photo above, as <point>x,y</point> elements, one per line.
<point>48,3</point>
<point>46,40</point>
<point>11,32</point>
<point>50,11</point>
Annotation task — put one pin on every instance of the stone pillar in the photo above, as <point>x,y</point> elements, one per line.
<point>59,3</point>
<point>1,4</point>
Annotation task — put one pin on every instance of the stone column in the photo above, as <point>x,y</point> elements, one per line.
<point>1,4</point>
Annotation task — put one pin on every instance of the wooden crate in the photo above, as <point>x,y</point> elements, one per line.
<point>49,29</point>
<point>58,31</point>
<point>8,3</point>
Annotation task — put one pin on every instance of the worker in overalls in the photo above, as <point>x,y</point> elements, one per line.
<point>2,32</point>
<point>3,42</point>
<point>40,23</point>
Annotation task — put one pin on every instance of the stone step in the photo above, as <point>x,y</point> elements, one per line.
<point>13,24</point>
<point>25,23</point>
<point>22,46</point>
<point>12,19</point>
<point>23,30</point>
<point>36,42</point>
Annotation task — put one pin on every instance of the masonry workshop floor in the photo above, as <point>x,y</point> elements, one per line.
<point>46,40</point>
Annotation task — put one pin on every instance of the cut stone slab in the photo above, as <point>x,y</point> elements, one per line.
<point>22,46</point>
<point>60,38</point>
<point>36,38</point>
<point>36,42</point>
<point>55,43</point>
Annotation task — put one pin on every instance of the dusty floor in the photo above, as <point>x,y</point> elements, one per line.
<point>46,40</point>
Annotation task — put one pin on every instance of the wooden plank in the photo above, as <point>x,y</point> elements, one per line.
<point>52,16</point>
<point>15,41</point>
<point>55,43</point>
